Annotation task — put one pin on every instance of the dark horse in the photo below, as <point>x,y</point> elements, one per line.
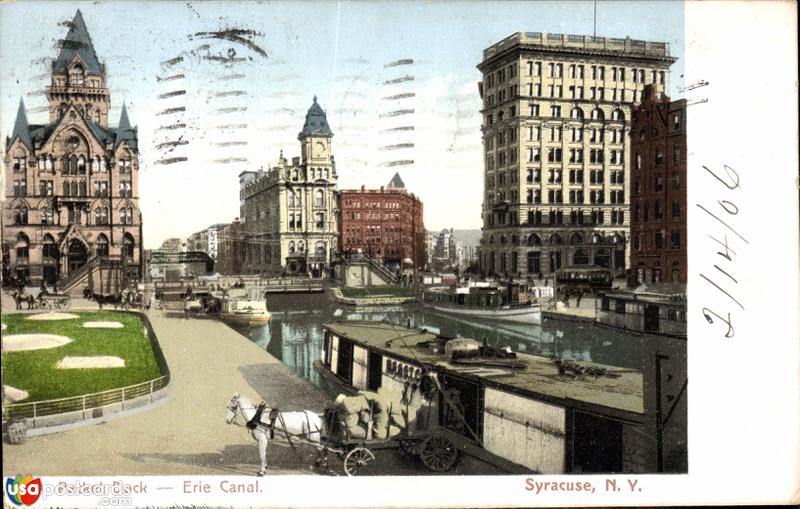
<point>20,297</point>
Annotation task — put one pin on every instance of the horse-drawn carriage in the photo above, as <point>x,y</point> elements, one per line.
<point>436,447</point>
<point>54,301</point>
<point>44,300</point>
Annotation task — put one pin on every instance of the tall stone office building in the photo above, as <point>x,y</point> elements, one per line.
<point>71,211</point>
<point>556,119</point>
<point>291,224</point>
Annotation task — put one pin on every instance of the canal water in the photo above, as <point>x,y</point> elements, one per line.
<point>295,334</point>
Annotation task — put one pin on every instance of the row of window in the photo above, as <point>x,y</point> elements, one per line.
<point>658,157</point>
<point>641,211</point>
<point>296,220</point>
<point>295,198</point>
<point>312,174</point>
<point>74,216</point>
<point>655,240</point>
<point>576,71</point>
<point>72,188</point>
<point>556,217</point>
<point>371,216</point>
<point>74,165</point>
<point>50,248</point>
<point>658,184</point>
<point>556,239</point>
<point>356,204</point>
<point>576,113</point>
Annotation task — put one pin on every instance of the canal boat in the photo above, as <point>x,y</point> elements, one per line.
<point>245,311</point>
<point>507,303</point>
<point>520,412</point>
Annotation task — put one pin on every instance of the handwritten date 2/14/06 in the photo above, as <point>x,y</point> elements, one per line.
<point>725,212</point>
<point>611,485</point>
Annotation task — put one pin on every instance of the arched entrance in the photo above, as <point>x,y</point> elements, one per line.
<point>77,255</point>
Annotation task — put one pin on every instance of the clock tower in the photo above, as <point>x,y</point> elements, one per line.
<point>315,138</point>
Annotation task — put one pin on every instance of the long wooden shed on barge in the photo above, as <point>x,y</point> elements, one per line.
<point>539,418</point>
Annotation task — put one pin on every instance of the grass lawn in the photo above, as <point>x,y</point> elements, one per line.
<point>35,370</point>
<point>393,291</point>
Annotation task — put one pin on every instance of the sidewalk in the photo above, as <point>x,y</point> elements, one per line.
<point>209,362</point>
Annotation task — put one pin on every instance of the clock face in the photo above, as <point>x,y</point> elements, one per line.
<point>320,147</point>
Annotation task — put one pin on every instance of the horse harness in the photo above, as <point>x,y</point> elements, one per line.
<point>269,424</point>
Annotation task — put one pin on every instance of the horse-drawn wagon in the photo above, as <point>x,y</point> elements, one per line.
<point>53,301</point>
<point>328,433</point>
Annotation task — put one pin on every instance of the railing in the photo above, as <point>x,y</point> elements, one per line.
<point>380,268</point>
<point>579,41</point>
<point>78,274</point>
<point>85,402</point>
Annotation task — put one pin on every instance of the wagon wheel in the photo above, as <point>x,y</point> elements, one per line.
<point>438,453</point>
<point>356,459</point>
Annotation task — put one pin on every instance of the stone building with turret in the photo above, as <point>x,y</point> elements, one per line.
<point>291,209</point>
<point>71,211</point>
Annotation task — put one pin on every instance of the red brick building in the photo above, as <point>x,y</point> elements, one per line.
<point>385,224</point>
<point>658,191</point>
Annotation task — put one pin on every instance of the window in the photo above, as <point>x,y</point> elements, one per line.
<point>659,158</point>
<point>676,210</point>
<point>580,257</point>
<point>47,216</point>
<point>597,114</point>
<point>101,247</point>
<point>21,214</point>
<point>125,189</point>
<point>554,155</point>
<point>101,215</point>
<point>126,215</point>
<point>320,220</point>
<point>659,240</point>
<point>576,113</point>
<point>76,75</point>
<point>534,110</point>
<point>100,189</point>
<point>675,239</point>
<point>319,198</point>
<point>45,188</point>
<point>659,183</point>
<point>676,154</point>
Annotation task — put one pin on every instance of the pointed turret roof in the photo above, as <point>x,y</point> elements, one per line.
<point>396,182</point>
<point>21,127</point>
<point>124,130</point>
<point>77,42</point>
<point>316,121</point>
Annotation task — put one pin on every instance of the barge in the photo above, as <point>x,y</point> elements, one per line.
<point>510,303</point>
<point>533,413</point>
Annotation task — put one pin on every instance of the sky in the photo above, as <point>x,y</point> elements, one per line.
<point>374,66</point>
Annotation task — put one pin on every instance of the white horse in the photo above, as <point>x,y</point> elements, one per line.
<point>303,426</point>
